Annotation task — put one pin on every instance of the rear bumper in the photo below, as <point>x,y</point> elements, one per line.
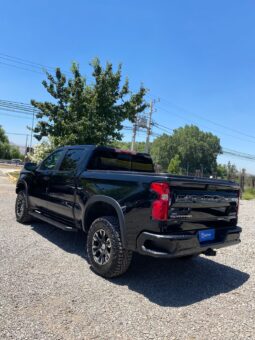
<point>178,245</point>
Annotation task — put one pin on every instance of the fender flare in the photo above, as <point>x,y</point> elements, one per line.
<point>21,182</point>
<point>109,200</point>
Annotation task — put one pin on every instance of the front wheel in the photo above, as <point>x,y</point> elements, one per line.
<point>106,254</point>
<point>21,208</point>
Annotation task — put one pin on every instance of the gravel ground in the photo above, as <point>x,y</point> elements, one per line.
<point>48,291</point>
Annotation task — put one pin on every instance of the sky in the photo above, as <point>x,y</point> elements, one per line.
<point>197,57</point>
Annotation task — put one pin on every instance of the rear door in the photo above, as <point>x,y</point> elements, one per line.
<point>62,187</point>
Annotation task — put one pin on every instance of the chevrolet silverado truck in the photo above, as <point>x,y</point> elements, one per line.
<point>116,197</point>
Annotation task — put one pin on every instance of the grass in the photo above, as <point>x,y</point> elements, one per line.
<point>249,194</point>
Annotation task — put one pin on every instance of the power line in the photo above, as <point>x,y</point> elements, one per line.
<point>162,128</point>
<point>37,65</point>
<point>27,109</point>
<point>16,111</point>
<point>13,103</point>
<point>12,115</point>
<point>16,133</point>
<point>24,61</point>
<point>19,67</point>
<point>208,120</point>
<point>206,127</point>
<point>238,154</point>
<point>129,128</point>
<point>224,150</point>
<point>20,61</point>
<point>20,108</point>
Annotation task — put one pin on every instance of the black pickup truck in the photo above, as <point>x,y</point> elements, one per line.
<point>124,206</point>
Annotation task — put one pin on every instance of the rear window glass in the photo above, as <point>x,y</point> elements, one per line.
<point>119,160</point>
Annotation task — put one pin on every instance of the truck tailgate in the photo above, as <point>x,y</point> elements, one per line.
<point>203,201</point>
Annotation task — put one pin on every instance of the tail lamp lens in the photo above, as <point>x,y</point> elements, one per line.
<point>238,203</point>
<point>160,206</point>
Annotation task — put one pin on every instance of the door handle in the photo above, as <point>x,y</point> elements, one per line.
<point>46,178</point>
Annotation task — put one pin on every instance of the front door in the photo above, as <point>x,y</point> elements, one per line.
<point>38,195</point>
<point>62,186</point>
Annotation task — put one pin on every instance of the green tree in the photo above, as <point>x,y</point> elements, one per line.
<point>87,114</point>
<point>3,137</point>
<point>139,146</point>
<point>15,153</point>
<point>174,166</point>
<point>162,151</point>
<point>7,150</point>
<point>232,172</point>
<point>195,148</point>
<point>222,171</point>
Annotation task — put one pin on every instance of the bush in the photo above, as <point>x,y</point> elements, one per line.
<point>249,194</point>
<point>41,151</point>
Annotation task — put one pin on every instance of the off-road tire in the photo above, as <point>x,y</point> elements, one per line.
<point>21,208</point>
<point>119,258</point>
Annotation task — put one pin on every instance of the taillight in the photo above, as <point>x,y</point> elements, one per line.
<point>161,205</point>
<point>238,203</point>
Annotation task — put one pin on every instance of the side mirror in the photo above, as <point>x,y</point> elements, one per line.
<point>30,166</point>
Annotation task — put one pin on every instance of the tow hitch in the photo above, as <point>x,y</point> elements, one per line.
<point>210,252</point>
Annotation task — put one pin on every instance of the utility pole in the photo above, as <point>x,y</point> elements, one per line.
<point>149,127</point>
<point>31,134</point>
<point>134,134</point>
<point>26,145</point>
<point>143,121</point>
<point>202,170</point>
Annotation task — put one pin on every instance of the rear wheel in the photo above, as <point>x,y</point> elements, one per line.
<point>21,208</point>
<point>105,250</point>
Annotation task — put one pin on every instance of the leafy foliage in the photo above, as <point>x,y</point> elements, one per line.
<point>3,137</point>
<point>232,171</point>
<point>249,194</point>
<point>41,151</point>
<point>87,114</point>
<point>139,146</point>
<point>196,149</point>
<point>7,151</point>
<point>162,151</point>
<point>222,171</point>
<point>174,166</point>
<point>228,171</point>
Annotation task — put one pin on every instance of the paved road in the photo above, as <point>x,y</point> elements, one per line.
<point>4,169</point>
<point>47,290</point>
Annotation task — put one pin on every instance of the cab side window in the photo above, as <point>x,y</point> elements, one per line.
<point>71,159</point>
<point>50,162</point>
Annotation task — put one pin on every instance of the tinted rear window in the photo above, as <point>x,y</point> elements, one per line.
<point>122,161</point>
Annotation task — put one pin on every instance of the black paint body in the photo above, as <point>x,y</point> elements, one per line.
<point>73,199</point>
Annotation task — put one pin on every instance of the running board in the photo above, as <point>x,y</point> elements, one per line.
<point>50,221</point>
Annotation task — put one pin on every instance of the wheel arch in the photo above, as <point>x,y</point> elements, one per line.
<point>100,205</point>
<point>21,185</point>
